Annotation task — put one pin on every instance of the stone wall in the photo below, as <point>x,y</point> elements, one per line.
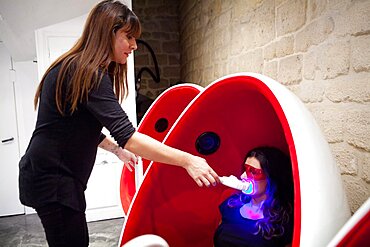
<point>160,29</point>
<point>319,49</point>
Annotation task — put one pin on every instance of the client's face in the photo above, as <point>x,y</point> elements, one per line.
<point>254,172</point>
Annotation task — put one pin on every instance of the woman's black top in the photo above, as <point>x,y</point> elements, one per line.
<point>236,231</point>
<point>62,150</point>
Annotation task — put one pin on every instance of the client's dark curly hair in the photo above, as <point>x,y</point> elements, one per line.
<point>277,208</point>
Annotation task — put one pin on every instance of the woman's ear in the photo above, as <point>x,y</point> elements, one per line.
<point>116,28</point>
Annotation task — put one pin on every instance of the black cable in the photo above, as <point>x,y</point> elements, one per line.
<point>156,76</point>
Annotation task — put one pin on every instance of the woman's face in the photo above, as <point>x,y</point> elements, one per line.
<point>254,171</point>
<point>123,45</point>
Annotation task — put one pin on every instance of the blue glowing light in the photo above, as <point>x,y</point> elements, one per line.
<point>249,186</point>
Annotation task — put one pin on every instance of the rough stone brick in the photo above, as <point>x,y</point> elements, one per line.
<point>155,85</point>
<point>206,60</point>
<point>346,158</point>
<point>279,2</point>
<point>360,56</point>
<point>237,44</point>
<point>358,126</point>
<point>247,16</point>
<point>207,75</point>
<point>351,88</point>
<point>264,23</point>
<point>285,46</point>
<point>238,10</point>
<point>290,16</point>
<point>309,65</point>
<point>174,59</point>
<point>330,118</point>
<point>234,65</point>
<point>252,4</point>
<point>332,4</point>
<point>170,46</point>
<point>269,51</point>
<point>334,59</point>
<point>259,25</point>
<point>143,86</point>
<point>247,37</point>
<point>270,69</point>
<point>161,36</point>
<point>197,63</point>
<point>314,33</point>
<point>311,91</point>
<point>224,19</point>
<point>294,89</point>
<point>150,25</point>
<point>171,71</point>
<point>196,77</point>
<point>217,71</point>
<point>223,38</point>
<point>162,60</point>
<point>315,8</point>
<point>290,70</point>
<point>356,190</point>
<point>353,19</point>
<point>252,61</point>
<point>224,54</point>
<point>141,59</point>
<point>147,93</point>
<point>365,167</point>
<point>169,25</point>
<point>209,45</point>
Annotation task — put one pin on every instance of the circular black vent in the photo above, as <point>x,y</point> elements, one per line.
<point>207,143</point>
<point>161,125</point>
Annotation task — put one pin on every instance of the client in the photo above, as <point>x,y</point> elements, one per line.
<point>264,215</point>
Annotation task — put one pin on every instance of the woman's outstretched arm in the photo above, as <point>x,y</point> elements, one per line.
<point>151,149</point>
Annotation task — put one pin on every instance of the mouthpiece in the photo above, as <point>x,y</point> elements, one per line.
<point>246,186</point>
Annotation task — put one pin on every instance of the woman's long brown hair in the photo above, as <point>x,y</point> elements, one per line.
<point>93,52</point>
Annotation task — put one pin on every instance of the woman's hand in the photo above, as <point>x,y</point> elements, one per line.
<point>128,158</point>
<point>200,171</point>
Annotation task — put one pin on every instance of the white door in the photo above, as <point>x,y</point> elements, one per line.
<point>59,45</point>
<point>9,149</point>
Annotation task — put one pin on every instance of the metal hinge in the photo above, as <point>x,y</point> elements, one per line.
<point>12,75</point>
<point>12,71</point>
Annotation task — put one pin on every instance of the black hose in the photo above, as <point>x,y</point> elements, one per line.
<point>156,76</point>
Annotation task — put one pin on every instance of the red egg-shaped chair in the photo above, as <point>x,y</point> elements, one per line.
<point>356,231</point>
<point>244,110</point>
<point>156,123</point>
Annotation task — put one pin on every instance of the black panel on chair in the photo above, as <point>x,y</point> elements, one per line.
<point>161,125</point>
<point>207,143</point>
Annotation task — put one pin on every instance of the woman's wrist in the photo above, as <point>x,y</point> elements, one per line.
<point>116,149</point>
<point>110,146</point>
<point>185,160</point>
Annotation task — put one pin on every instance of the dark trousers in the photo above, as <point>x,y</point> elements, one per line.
<point>64,227</point>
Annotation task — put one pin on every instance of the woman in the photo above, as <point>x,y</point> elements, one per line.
<point>79,94</point>
<point>264,217</point>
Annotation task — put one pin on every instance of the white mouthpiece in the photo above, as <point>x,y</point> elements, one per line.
<point>232,182</point>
